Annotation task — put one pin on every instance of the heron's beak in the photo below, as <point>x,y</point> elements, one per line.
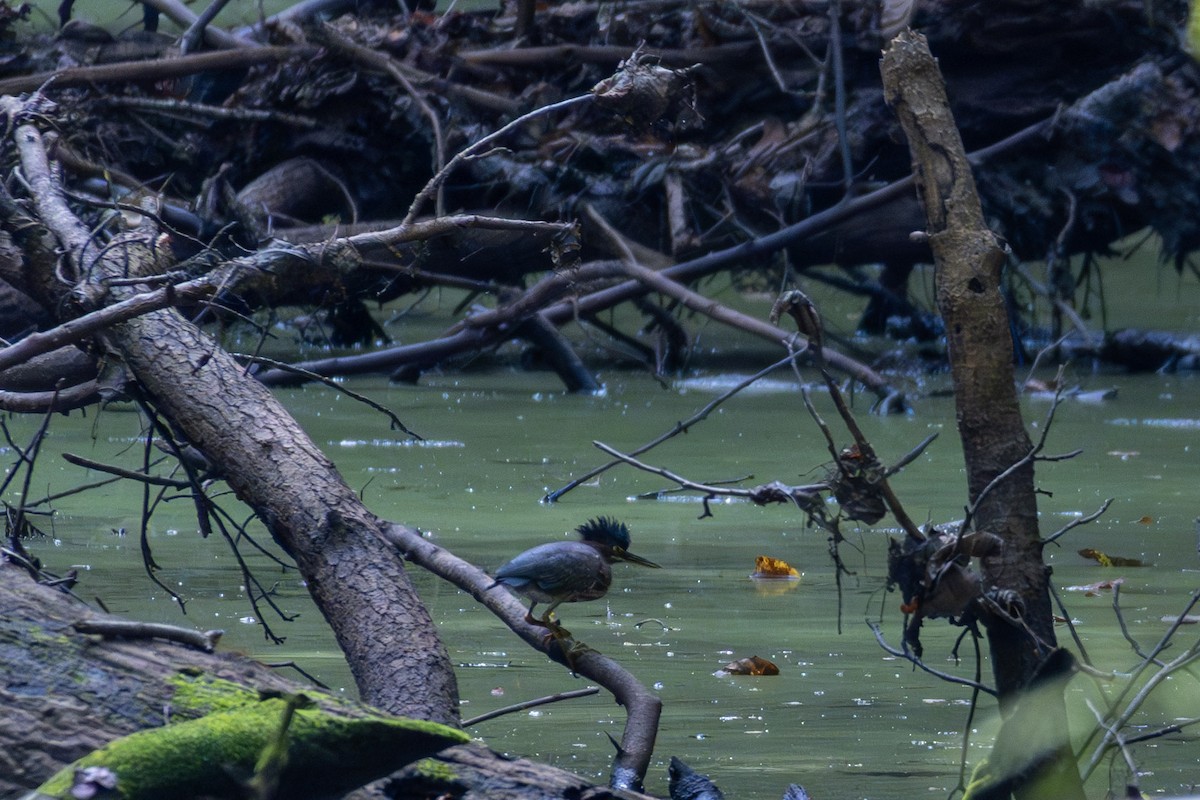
<point>625,555</point>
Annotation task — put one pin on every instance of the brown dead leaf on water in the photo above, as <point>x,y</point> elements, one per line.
<point>754,665</point>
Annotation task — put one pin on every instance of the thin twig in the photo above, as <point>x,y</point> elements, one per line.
<point>969,726</point>
<point>243,534</point>
<point>184,109</point>
<point>331,383</point>
<point>1025,460</point>
<point>293,665</point>
<point>1062,607</point>
<point>1131,708</point>
<point>252,583</point>
<point>200,499</point>
<point>128,629</point>
<point>1075,523</point>
<point>471,151</point>
<point>830,444</point>
<point>1174,727</point>
<point>537,701</point>
<point>839,94</point>
<point>50,498</point>
<point>121,472</point>
<point>908,656</point>
<point>1116,736</point>
<point>683,482</point>
<point>680,427</point>
<point>148,563</point>
<point>1124,626</point>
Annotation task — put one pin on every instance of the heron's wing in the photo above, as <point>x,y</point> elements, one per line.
<point>555,567</point>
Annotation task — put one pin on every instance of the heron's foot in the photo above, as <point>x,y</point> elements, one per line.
<point>570,648</point>
<point>555,632</point>
<point>541,622</point>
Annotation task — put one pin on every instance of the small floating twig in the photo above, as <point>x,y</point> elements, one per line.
<point>124,629</point>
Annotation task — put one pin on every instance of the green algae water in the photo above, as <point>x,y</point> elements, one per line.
<point>843,717</point>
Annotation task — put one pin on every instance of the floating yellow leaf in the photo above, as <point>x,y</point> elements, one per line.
<point>1146,520</point>
<point>1105,560</point>
<point>767,568</point>
<point>750,666</point>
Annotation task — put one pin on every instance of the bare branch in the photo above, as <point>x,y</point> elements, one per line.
<point>908,656</point>
<point>1075,523</point>
<point>128,629</point>
<point>534,703</point>
<point>680,427</point>
<point>642,706</point>
<point>121,472</point>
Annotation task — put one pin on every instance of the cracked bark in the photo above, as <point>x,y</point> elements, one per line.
<point>355,577</point>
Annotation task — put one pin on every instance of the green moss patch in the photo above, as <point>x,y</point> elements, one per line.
<point>217,753</point>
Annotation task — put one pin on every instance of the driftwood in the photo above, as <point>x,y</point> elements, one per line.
<point>755,146</point>
<point>53,716</point>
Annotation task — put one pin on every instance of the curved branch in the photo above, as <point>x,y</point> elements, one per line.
<point>641,705</point>
<point>908,656</point>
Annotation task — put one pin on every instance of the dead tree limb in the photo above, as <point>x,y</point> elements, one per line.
<point>642,706</point>
<point>969,260</point>
<point>390,642</point>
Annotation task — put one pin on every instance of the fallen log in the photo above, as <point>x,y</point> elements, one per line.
<point>66,693</point>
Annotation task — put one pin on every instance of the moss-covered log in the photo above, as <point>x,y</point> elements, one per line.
<point>66,694</point>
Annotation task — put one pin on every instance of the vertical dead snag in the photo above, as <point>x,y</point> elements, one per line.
<point>969,260</point>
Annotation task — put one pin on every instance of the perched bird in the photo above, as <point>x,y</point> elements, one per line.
<point>569,572</point>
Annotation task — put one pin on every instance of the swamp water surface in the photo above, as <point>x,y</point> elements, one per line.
<point>843,718</point>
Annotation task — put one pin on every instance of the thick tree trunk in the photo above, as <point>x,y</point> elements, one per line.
<point>969,261</point>
<point>357,580</point>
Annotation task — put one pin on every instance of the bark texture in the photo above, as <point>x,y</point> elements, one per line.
<point>65,693</point>
<point>969,261</point>
<point>356,579</point>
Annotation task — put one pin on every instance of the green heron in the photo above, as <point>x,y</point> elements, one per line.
<point>568,572</point>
